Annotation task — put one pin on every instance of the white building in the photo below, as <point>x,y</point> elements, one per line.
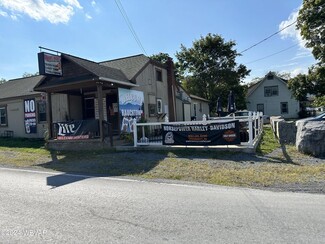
<point>272,96</point>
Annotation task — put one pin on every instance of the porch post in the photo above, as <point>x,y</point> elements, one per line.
<point>100,109</point>
<point>49,115</point>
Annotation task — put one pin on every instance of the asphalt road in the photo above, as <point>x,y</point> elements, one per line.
<point>41,207</point>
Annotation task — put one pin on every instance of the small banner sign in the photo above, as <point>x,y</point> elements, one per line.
<point>221,133</point>
<point>49,64</point>
<point>131,106</point>
<point>30,116</point>
<point>76,130</point>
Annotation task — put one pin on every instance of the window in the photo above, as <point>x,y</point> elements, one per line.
<point>41,109</point>
<point>270,91</point>
<point>158,75</point>
<point>200,107</point>
<point>195,109</point>
<point>152,105</point>
<point>3,116</point>
<point>159,106</point>
<point>284,108</point>
<point>260,108</point>
<point>89,108</point>
<point>152,110</point>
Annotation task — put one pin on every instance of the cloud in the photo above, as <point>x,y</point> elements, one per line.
<point>41,10</point>
<point>88,16</point>
<point>73,3</point>
<point>3,14</point>
<point>292,32</point>
<point>93,3</point>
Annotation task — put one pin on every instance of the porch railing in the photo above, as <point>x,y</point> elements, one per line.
<point>150,134</point>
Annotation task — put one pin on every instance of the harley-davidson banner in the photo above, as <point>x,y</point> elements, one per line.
<point>221,133</point>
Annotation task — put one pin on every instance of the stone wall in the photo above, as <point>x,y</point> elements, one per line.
<point>311,138</point>
<point>283,130</point>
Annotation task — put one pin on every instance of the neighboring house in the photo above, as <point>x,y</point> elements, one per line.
<point>199,107</point>
<point>190,107</point>
<point>272,96</point>
<point>20,105</point>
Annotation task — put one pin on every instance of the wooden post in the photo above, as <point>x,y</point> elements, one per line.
<point>49,115</point>
<point>100,109</point>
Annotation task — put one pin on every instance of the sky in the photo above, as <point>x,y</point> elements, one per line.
<point>96,30</point>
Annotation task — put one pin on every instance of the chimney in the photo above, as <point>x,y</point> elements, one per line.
<point>171,82</point>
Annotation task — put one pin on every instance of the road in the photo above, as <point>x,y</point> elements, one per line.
<point>45,207</point>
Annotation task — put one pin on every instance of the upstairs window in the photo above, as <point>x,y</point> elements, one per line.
<point>3,116</point>
<point>270,91</point>
<point>158,75</point>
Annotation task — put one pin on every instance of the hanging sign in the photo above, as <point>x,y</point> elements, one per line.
<point>221,133</point>
<point>30,116</point>
<point>49,64</point>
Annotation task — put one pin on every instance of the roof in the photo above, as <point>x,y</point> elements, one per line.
<point>253,87</point>
<point>98,69</point>
<point>198,98</point>
<point>130,66</point>
<point>20,87</point>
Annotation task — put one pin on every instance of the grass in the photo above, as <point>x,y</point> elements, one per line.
<point>268,143</point>
<point>222,168</point>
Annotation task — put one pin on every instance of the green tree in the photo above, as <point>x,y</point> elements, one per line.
<point>300,86</point>
<point>26,74</point>
<point>319,102</point>
<point>160,57</point>
<point>209,69</point>
<point>311,24</point>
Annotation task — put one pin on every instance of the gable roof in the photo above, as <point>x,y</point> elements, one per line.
<point>199,98</point>
<point>130,66</point>
<point>20,87</point>
<point>253,87</point>
<point>98,69</point>
<point>133,65</point>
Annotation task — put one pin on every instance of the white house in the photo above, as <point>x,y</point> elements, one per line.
<point>272,96</point>
<point>190,107</point>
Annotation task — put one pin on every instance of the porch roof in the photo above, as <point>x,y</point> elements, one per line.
<point>83,73</point>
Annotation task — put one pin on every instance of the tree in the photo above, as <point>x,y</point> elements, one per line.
<point>2,80</point>
<point>209,69</point>
<point>26,74</point>
<point>311,84</point>
<point>311,23</point>
<point>160,57</point>
<point>300,87</point>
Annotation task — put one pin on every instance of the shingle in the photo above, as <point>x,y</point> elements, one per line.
<point>129,65</point>
<point>19,87</point>
<point>97,69</point>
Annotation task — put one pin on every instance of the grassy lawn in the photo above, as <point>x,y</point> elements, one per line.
<point>222,168</point>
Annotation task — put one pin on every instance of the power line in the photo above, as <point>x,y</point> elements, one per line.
<point>283,50</point>
<point>129,24</point>
<point>265,39</point>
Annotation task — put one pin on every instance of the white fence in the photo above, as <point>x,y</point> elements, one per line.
<point>251,128</point>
